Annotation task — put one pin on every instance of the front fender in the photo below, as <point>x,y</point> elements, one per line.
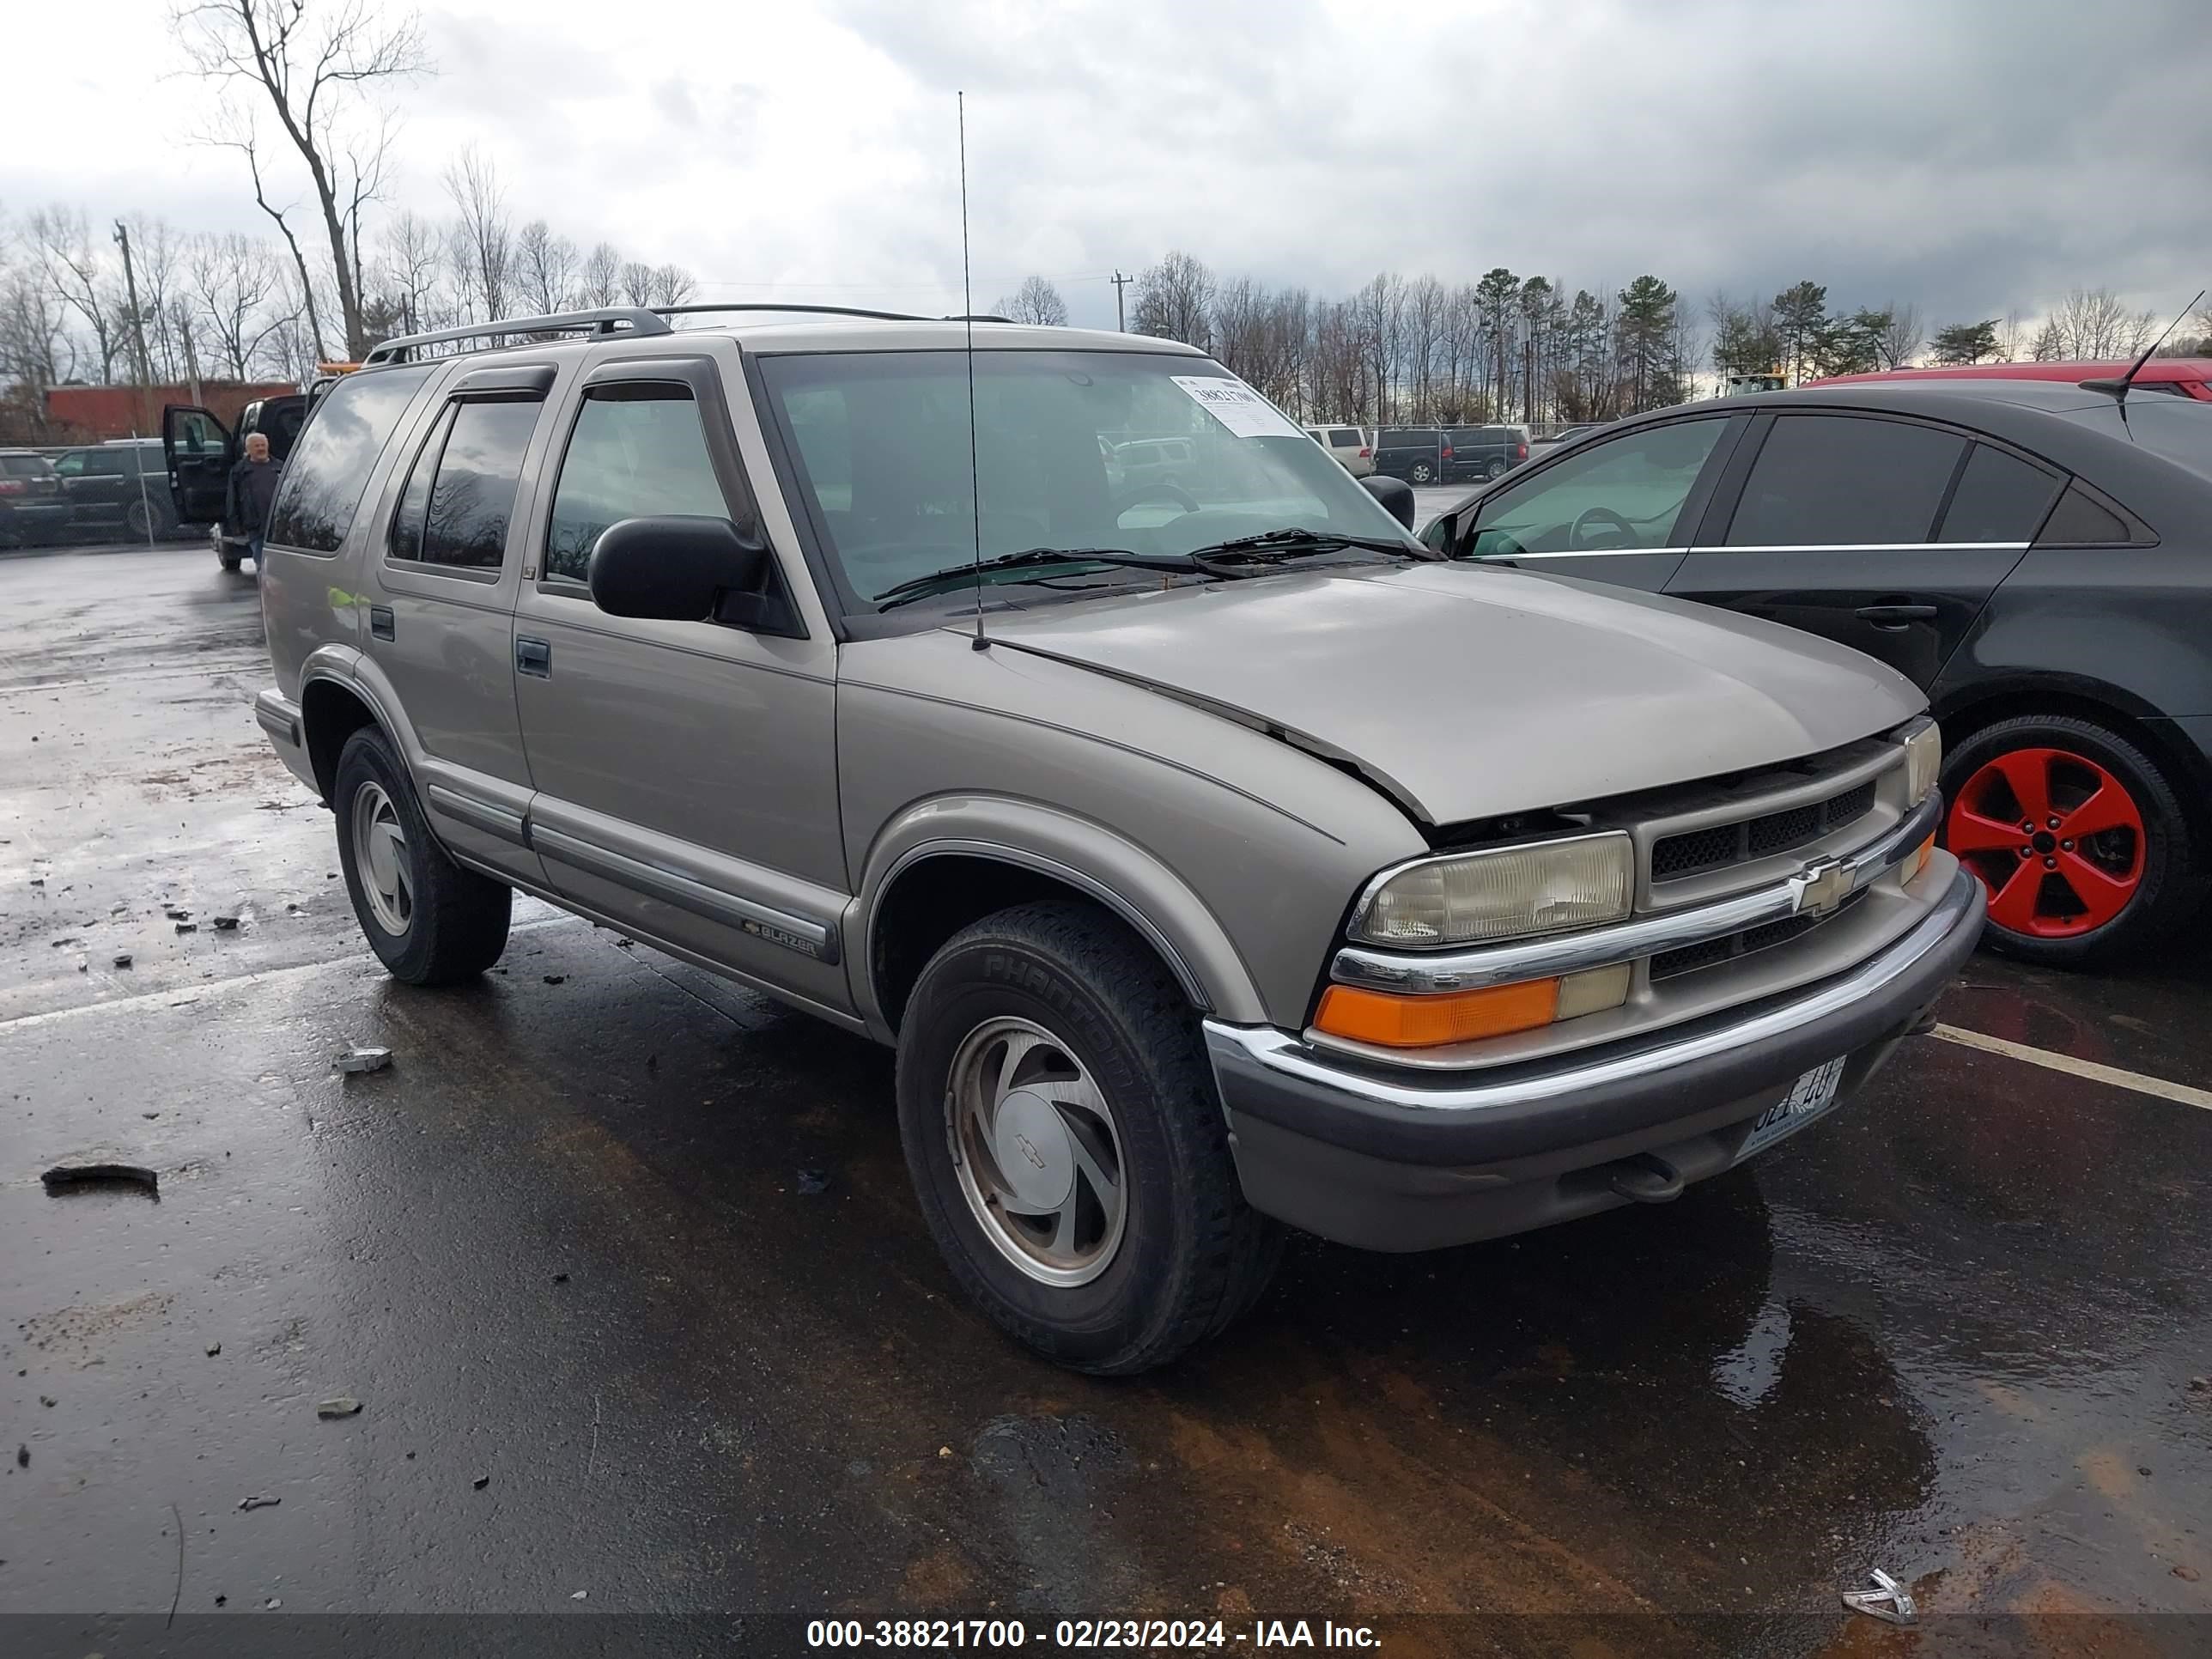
<point>1120,875</point>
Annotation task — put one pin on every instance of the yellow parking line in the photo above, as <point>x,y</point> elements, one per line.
<point>2201,1098</point>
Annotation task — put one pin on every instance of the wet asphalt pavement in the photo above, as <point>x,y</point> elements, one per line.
<point>608,1337</point>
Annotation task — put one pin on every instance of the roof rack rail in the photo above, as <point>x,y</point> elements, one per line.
<point>818,311</point>
<point>611,319</point>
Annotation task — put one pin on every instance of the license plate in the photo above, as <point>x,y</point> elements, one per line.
<point>1810,1096</point>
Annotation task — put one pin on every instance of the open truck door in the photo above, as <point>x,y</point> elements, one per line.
<point>198,448</point>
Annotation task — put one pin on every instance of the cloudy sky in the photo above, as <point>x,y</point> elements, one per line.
<point>1975,156</point>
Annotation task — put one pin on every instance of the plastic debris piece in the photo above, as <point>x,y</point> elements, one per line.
<point>271,1605</point>
<point>344,1406</point>
<point>214,1348</point>
<point>812,1182</point>
<point>188,927</point>
<point>480,1482</point>
<point>258,1502</point>
<point>1888,1601</point>
<point>557,979</point>
<point>363,1059</point>
<point>22,1457</point>
<point>123,958</point>
<point>68,1177</point>
<point>226,924</point>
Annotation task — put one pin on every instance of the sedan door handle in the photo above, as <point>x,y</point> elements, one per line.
<point>1896,616</point>
<point>533,657</point>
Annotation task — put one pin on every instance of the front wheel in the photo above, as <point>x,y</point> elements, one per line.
<point>2077,834</point>
<point>429,921</point>
<point>1067,1142</point>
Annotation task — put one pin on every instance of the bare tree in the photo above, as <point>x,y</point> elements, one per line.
<point>483,236</point>
<point>2091,325</point>
<point>599,282</point>
<point>78,276</point>
<point>237,300</point>
<point>546,266</point>
<point>1901,341</point>
<point>636,279</point>
<point>239,134</point>
<point>672,285</point>
<point>408,260</point>
<point>156,253</point>
<point>1174,300</point>
<point>317,63</point>
<point>1036,300</point>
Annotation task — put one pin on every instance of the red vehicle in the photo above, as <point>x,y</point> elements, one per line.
<point>2180,377</point>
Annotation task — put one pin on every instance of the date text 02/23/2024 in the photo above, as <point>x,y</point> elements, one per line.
<point>1086,1635</point>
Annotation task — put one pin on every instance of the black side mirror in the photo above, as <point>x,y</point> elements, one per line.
<point>677,569</point>
<point>1394,494</point>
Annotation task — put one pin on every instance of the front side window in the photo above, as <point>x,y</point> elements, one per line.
<point>638,450</point>
<point>329,468</point>
<point>1623,496</point>
<point>1154,455</point>
<point>72,466</point>
<point>1845,481</point>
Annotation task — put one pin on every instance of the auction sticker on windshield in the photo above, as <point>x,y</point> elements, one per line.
<point>1237,407</point>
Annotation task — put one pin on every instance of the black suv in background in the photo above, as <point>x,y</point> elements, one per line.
<point>1483,452</point>
<point>119,488</point>
<point>201,450</point>
<point>2036,557</point>
<point>33,509</point>
<point>1419,454</point>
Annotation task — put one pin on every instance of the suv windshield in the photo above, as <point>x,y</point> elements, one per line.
<point>1157,455</point>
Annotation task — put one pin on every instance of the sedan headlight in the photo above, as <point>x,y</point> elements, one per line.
<point>1503,892</point>
<point>1924,761</point>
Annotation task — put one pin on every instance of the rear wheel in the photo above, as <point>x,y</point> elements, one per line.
<point>144,519</point>
<point>1421,473</point>
<point>1068,1145</point>
<point>2078,835</point>
<point>429,921</point>
<point>1495,469</point>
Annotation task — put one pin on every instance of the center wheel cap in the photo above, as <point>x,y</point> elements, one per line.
<point>1029,1141</point>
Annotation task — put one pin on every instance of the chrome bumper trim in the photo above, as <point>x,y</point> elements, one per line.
<point>1647,936</point>
<point>1289,1057</point>
<point>278,715</point>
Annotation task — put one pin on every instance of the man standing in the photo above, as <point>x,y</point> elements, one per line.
<point>252,488</point>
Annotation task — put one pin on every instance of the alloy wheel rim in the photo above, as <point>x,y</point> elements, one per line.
<point>379,847</point>
<point>2057,840</point>
<point>1036,1151</point>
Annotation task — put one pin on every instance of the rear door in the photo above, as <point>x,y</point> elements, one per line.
<point>198,448</point>
<point>93,479</point>
<point>1620,511</point>
<point>441,620</point>
<point>1884,534</point>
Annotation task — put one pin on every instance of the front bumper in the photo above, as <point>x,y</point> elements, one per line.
<point>1396,1160</point>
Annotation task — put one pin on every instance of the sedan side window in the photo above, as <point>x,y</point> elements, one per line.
<point>639,451</point>
<point>1846,481</point>
<point>1622,495</point>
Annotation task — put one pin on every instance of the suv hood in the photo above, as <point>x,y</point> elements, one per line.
<point>1469,691</point>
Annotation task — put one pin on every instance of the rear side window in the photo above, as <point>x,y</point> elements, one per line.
<point>2080,521</point>
<point>2000,498</point>
<point>329,467</point>
<point>637,452</point>
<point>1343,435</point>
<point>1845,481</point>
<point>24,466</point>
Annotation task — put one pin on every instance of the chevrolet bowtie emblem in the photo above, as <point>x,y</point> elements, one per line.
<point>1822,886</point>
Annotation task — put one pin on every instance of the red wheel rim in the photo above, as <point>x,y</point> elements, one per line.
<point>2056,838</point>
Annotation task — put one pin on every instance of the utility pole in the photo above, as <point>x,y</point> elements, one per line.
<point>137,324</point>
<point>1120,317</point>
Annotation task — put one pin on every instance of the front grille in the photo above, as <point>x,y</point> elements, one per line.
<point>1673,965</point>
<point>1694,851</point>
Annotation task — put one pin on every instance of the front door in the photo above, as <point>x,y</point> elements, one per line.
<point>441,608</point>
<point>1885,535</point>
<point>1618,511</point>
<point>686,772</point>
<point>198,448</point>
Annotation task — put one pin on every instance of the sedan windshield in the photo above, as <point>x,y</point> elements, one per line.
<point>1156,456</point>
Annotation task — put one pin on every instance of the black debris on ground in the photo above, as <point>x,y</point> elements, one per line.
<point>72,1177</point>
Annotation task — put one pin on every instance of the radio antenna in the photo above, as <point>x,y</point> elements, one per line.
<point>967,323</point>
<point>2119,388</point>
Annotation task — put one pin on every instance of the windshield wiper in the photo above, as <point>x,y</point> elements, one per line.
<point>921,588</point>
<point>1235,557</point>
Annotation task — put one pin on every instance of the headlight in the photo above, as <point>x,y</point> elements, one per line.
<point>1924,761</point>
<point>1505,892</point>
